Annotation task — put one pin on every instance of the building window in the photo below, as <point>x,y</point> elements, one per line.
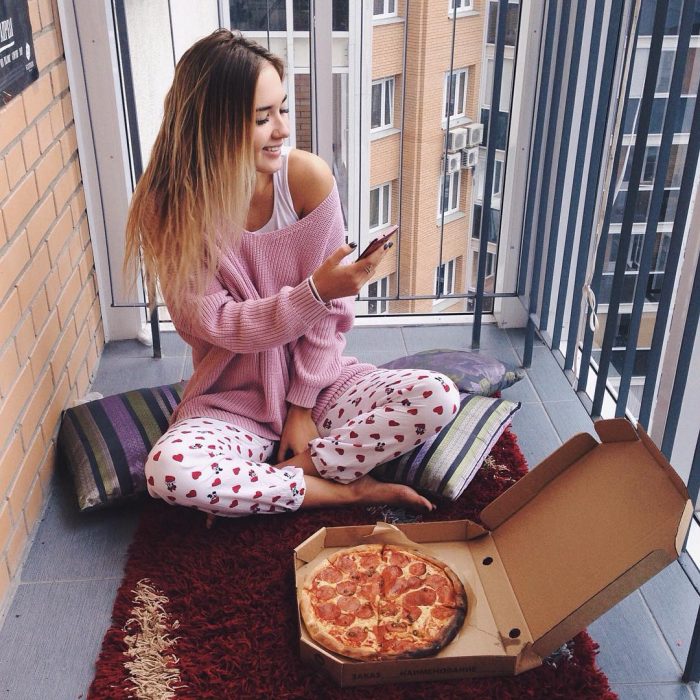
<point>460,5</point>
<point>490,264</point>
<point>512,18</point>
<point>379,288</point>
<point>379,206</point>
<point>449,201</point>
<point>382,104</point>
<point>497,179</point>
<point>455,91</point>
<point>445,279</point>
<point>384,8</point>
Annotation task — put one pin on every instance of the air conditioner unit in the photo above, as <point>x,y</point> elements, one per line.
<point>470,157</point>
<point>457,140</point>
<point>475,134</point>
<point>454,162</point>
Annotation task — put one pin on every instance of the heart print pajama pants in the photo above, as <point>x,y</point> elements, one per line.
<point>217,467</point>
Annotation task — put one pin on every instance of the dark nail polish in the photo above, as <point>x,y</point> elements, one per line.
<point>388,245</point>
<point>353,245</point>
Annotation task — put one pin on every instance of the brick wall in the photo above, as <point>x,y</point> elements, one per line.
<point>50,323</point>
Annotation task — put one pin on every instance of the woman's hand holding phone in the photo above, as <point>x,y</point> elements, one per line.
<point>377,243</point>
<point>333,280</point>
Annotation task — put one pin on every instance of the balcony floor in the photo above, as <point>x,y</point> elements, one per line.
<point>54,624</point>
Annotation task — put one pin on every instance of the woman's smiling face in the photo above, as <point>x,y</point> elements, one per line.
<point>271,120</point>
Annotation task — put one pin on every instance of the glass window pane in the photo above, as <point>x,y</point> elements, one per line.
<point>663,78</point>
<point>340,15</point>
<point>676,163</point>
<point>462,89</point>
<point>376,120</point>
<point>650,164</point>
<point>455,191</point>
<point>378,7</point>
<point>388,101</point>
<point>639,71</point>
<point>492,19</point>
<point>658,110</point>
<point>374,207</point>
<point>684,116</point>
<point>302,16</point>
<point>512,19</point>
<point>630,125</point>
<point>252,15</point>
<point>385,204</point>
<point>691,74</point>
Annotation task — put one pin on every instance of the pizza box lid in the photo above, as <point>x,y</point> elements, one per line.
<point>587,527</point>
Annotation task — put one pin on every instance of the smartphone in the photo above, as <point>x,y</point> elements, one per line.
<point>375,243</point>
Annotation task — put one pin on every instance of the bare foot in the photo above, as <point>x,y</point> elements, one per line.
<point>370,491</point>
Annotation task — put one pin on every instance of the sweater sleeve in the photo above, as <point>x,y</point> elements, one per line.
<point>252,325</point>
<point>317,356</point>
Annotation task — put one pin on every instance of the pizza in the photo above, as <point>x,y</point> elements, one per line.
<point>382,601</point>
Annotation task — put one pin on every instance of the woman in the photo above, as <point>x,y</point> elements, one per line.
<point>247,244</point>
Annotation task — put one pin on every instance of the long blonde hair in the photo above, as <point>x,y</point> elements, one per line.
<point>199,180</point>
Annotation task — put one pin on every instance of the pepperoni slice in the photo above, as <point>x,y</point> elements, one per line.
<point>324,593</point>
<point>370,561</point>
<point>398,558</point>
<point>413,582</point>
<point>330,575</point>
<point>365,612</point>
<point>348,604</point>
<point>346,587</point>
<point>369,591</point>
<point>328,611</point>
<point>442,612</point>
<point>446,595</point>
<point>344,620</point>
<point>418,568</point>
<point>435,581</point>
<point>424,596</point>
<point>412,612</point>
<point>390,575</point>
<point>399,587</point>
<point>346,563</point>
<point>355,636</point>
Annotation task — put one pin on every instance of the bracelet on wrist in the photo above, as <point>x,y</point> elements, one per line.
<point>314,291</point>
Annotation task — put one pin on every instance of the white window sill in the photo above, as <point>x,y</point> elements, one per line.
<point>442,303</point>
<point>456,121</point>
<point>382,133</point>
<point>464,13</point>
<point>378,21</point>
<point>449,218</point>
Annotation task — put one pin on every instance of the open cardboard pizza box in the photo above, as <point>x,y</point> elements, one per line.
<point>573,537</point>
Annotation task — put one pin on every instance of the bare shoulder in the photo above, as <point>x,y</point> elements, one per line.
<point>310,180</point>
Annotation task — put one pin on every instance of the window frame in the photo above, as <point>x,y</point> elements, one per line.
<point>449,275</point>
<point>384,83</point>
<point>457,72</point>
<point>385,14</point>
<point>456,209</point>
<point>384,193</point>
<point>381,305</point>
<point>463,6</point>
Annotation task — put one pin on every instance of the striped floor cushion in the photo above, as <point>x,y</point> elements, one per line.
<point>445,464</point>
<point>104,443</point>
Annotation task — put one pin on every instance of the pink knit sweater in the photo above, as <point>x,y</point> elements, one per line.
<point>261,339</point>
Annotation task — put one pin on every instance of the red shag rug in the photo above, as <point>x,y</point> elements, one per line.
<point>212,613</point>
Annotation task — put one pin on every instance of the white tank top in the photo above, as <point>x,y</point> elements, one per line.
<point>283,213</point>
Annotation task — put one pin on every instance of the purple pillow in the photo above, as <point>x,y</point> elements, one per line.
<point>470,371</point>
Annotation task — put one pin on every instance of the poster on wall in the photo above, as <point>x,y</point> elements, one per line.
<point>17,61</point>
